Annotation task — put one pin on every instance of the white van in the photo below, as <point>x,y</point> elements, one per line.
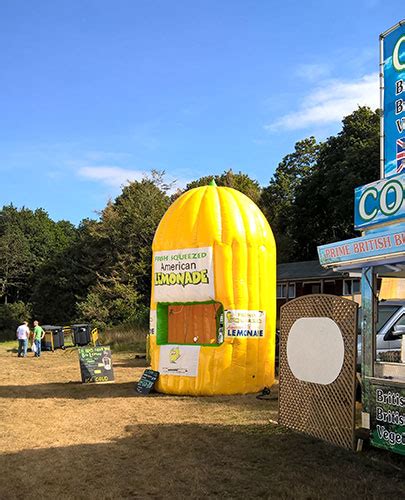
<point>389,330</point>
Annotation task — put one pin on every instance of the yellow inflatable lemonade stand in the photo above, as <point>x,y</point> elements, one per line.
<point>213,311</point>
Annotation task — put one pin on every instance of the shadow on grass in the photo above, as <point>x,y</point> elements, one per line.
<point>68,390</point>
<point>198,461</point>
<point>77,390</point>
<point>44,351</point>
<point>132,363</point>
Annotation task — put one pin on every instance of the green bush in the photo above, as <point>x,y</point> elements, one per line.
<point>12,315</point>
<point>111,304</point>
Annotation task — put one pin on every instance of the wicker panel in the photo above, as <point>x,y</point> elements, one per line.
<point>324,411</point>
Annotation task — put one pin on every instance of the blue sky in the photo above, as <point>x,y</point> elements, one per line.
<point>93,93</point>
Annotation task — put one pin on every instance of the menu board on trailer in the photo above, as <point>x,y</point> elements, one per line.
<point>388,417</point>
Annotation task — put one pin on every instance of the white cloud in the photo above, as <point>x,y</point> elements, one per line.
<point>110,175</point>
<point>313,72</point>
<point>330,102</point>
<point>116,177</point>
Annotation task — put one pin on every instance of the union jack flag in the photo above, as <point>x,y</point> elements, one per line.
<point>400,155</point>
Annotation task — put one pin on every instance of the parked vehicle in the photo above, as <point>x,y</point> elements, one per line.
<point>389,330</point>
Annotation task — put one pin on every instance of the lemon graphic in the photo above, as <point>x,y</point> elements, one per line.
<point>174,354</point>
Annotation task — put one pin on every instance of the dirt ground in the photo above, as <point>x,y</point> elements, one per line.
<point>62,439</point>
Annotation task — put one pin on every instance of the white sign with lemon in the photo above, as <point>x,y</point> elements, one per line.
<point>181,360</point>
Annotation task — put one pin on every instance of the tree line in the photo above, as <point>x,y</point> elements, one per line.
<point>100,270</point>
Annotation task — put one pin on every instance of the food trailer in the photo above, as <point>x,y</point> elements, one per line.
<point>379,252</point>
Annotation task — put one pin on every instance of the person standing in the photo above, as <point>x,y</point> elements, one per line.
<point>39,334</point>
<point>22,335</point>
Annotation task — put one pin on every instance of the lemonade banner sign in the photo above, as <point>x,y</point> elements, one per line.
<point>180,360</point>
<point>244,323</point>
<point>184,275</point>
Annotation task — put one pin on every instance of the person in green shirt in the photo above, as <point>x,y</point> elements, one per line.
<point>39,334</point>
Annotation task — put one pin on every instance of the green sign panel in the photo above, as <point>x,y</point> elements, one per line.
<point>96,364</point>
<point>388,417</point>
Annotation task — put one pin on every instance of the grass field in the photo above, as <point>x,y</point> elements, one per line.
<point>62,439</point>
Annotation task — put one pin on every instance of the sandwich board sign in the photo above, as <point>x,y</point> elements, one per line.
<point>96,364</point>
<point>147,382</point>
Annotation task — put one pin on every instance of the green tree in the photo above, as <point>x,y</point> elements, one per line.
<point>123,237</point>
<point>323,207</point>
<point>15,262</point>
<point>110,301</point>
<point>65,278</point>
<point>12,315</point>
<point>27,240</point>
<point>240,181</point>
<point>278,198</point>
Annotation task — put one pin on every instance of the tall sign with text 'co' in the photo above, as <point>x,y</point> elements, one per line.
<point>393,99</point>
<point>380,202</point>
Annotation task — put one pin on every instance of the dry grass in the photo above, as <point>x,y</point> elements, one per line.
<point>125,338</point>
<point>62,439</point>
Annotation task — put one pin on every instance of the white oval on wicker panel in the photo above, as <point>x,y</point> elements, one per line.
<point>315,350</point>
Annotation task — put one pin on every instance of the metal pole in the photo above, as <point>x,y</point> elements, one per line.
<point>369,307</point>
<point>382,135</point>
